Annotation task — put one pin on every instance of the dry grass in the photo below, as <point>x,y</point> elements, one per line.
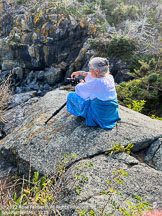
<point>8,186</point>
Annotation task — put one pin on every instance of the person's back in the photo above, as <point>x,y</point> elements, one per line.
<point>96,98</point>
<point>102,88</point>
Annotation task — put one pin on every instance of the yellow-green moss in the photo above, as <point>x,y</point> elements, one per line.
<point>44,29</point>
<point>38,16</point>
<point>60,20</point>
<point>14,151</point>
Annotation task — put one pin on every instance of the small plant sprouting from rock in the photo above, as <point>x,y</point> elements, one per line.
<point>120,148</point>
<point>156,117</point>
<point>79,175</point>
<point>134,208</point>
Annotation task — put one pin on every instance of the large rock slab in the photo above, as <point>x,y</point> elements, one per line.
<point>142,180</point>
<point>33,141</point>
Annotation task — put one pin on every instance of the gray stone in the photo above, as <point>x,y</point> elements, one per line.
<point>2,132</point>
<point>53,75</point>
<point>35,87</point>
<point>153,155</point>
<point>18,90</point>
<point>46,87</point>
<point>23,97</point>
<point>67,133</point>
<point>16,115</point>
<point>157,159</point>
<point>40,75</point>
<point>31,75</point>
<point>9,64</point>
<point>32,84</point>
<point>18,72</point>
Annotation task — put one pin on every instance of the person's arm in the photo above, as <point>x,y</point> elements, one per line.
<point>77,73</point>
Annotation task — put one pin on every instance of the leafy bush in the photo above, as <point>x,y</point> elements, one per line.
<point>155,117</point>
<point>147,86</point>
<point>141,89</point>
<point>153,77</point>
<point>121,48</point>
<point>137,105</point>
<point>122,12</point>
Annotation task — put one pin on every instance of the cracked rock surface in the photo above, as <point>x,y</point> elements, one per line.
<point>142,181</point>
<point>43,145</point>
<point>33,141</point>
<point>154,154</point>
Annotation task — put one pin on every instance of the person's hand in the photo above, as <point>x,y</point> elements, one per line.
<point>77,73</point>
<point>82,81</point>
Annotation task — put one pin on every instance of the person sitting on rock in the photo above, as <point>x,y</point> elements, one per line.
<point>96,98</point>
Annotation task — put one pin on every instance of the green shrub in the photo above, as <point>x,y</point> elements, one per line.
<point>156,117</point>
<point>137,105</point>
<point>20,2</point>
<point>142,89</point>
<point>123,12</point>
<point>153,77</point>
<point>122,48</point>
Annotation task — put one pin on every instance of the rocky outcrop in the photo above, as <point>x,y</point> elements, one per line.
<point>43,47</point>
<point>33,142</point>
<point>67,133</point>
<point>37,48</point>
<point>5,19</point>
<point>36,41</point>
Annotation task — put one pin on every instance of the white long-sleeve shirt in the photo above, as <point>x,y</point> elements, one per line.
<point>102,88</point>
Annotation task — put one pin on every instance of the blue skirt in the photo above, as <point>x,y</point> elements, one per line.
<point>96,112</point>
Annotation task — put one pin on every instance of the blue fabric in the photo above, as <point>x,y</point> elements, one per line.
<point>96,112</point>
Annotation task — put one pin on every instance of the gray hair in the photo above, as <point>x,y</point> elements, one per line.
<point>100,63</point>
